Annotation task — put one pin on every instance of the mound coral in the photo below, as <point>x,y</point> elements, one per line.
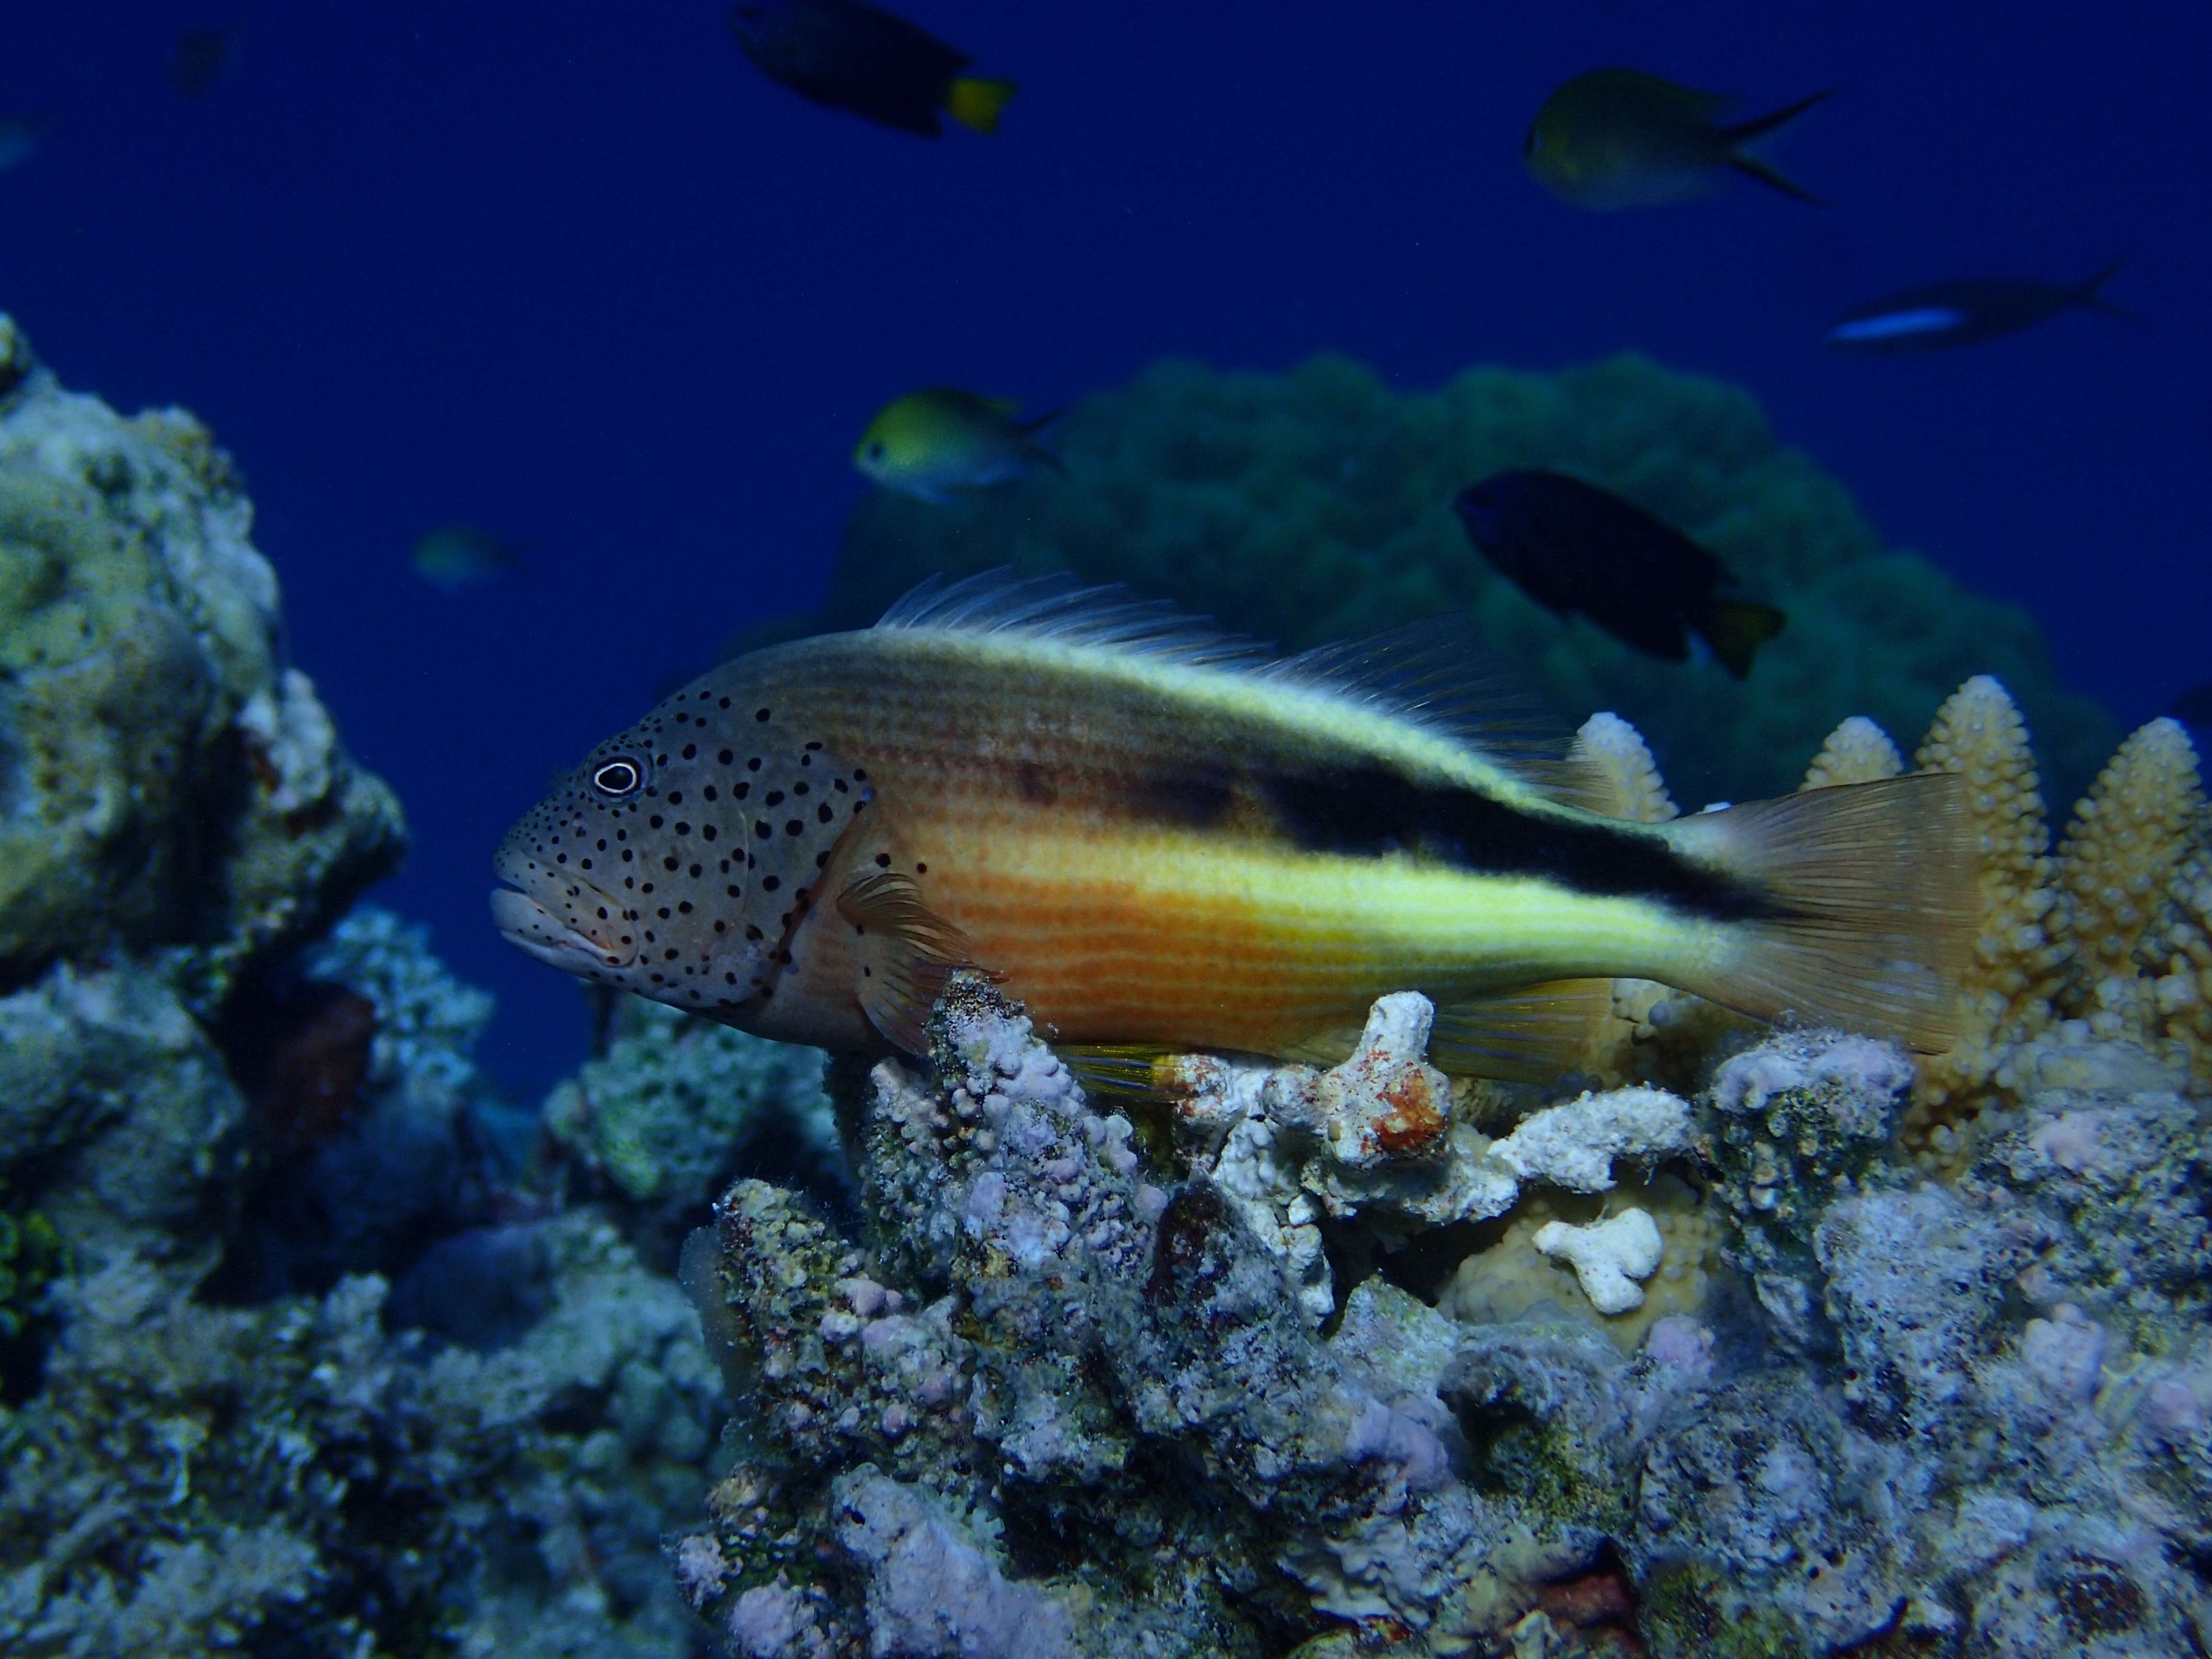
<point>1316,506</point>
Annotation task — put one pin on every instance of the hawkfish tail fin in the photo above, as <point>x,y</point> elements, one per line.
<point>1863,906</point>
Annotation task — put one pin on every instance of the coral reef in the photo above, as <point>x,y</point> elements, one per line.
<point>375,1133</point>
<point>1315,505</point>
<point>1734,1342</point>
<point>166,778</point>
<point>296,1354</point>
<point>1051,1398</point>
<point>289,1478</point>
<point>659,1124</point>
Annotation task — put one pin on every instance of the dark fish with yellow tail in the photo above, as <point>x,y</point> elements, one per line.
<point>1574,548</point>
<point>1619,138</point>
<point>853,55</point>
<point>1155,837</point>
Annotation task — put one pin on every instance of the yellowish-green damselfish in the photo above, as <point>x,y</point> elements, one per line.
<point>1620,138</point>
<point>942,440</point>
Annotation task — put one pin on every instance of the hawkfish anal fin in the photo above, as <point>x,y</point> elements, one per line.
<point>908,952</point>
<point>1533,1035</point>
<point>1861,908</point>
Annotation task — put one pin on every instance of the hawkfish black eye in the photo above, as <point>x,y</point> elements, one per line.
<point>619,778</point>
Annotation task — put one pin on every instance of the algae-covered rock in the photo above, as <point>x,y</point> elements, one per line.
<point>166,778</point>
<point>678,1106</point>
<point>1317,505</point>
<point>291,1479</point>
<point>118,1118</point>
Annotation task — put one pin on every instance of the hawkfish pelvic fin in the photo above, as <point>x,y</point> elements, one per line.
<point>1864,908</point>
<point>910,952</point>
<point>1534,1034</point>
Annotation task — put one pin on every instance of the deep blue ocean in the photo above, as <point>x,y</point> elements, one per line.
<point>579,274</point>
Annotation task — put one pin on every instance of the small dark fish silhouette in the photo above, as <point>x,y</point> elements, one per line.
<point>1573,547</point>
<point>2193,706</point>
<point>200,58</point>
<point>853,55</point>
<point>1946,314</point>
<point>457,556</point>
<point>1614,138</point>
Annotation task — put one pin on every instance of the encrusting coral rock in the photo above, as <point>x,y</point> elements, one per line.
<point>1286,1146</point>
<point>1856,1406</point>
<point>661,1121</point>
<point>153,738</point>
<point>1607,1256</point>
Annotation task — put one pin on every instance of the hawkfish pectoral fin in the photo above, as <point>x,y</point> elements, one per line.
<point>1532,1034</point>
<point>908,952</point>
<point>1859,906</point>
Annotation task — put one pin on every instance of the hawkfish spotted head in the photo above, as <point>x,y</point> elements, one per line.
<point>564,901</point>
<point>677,859</point>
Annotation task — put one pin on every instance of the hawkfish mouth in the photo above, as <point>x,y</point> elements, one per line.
<point>560,917</point>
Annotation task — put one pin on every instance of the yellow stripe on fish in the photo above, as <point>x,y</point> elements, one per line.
<point>1154,835</point>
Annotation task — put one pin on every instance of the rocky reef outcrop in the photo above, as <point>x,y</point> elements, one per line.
<point>1057,1397</point>
<point>302,1349</point>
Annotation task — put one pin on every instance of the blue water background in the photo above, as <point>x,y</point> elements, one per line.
<point>577,273</point>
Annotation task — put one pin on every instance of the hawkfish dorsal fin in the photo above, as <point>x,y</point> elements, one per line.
<point>1430,674</point>
<point>910,952</point>
<point>1437,675</point>
<point>1056,608</point>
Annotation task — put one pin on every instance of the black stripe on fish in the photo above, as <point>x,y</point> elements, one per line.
<point>1368,811</point>
<point>1188,798</point>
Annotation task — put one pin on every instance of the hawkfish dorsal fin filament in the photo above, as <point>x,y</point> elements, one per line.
<point>1868,903</point>
<point>910,952</point>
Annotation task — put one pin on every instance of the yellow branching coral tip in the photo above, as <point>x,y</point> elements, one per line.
<point>2021,948</point>
<point>1616,774</point>
<point>2140,821</point>
<point>2133,866</point>
<point>1858,752</point>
